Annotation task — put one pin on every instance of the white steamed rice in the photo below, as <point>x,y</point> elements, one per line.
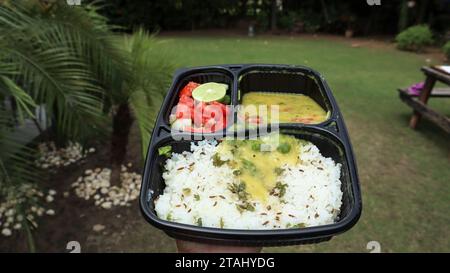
<point>313,195</point>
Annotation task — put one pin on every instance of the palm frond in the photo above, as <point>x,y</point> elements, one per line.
<point>16,159</point>
<point>25,104</point>
<point>87,32</point>
<point>65,59</point>
<point>151,72</point>
<point>60,81</point>
<point>144,113</point>
<point>18,173</point>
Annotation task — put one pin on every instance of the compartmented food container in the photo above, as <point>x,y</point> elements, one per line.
<point>329,135</point>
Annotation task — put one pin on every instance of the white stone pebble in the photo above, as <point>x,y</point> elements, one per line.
<point>12,219</point>
<point>96,184</point>
<point>52,157</point>
<point>107,205</point>
<point>6,232</point>
<point>50,212</point>
<point>98,228</point>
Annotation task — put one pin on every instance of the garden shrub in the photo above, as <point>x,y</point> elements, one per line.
<point>262,21</point>
<point>414,38</point>
<point>287,21</point>
<point>311,23</point>
<point>446,50</point>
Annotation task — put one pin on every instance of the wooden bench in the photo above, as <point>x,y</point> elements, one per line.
<point>426,111</point>
<point>419,102</point>
<point>436,92</point>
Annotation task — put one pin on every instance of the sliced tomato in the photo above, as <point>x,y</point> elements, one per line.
<point>214,111</point>
<point>227,110</point>
<point>197,129</point>
<point>198,117</point>
<point>198,113</point>
<point>199,105</point>
<point>188,88</point>
<point>216,126</point>
<point>192,129</point>
<point>207,117</point>
<point>220,125</point>
<point>221,105</point>
<point>209,125</point>
<point>226,116</point>
<point>187,100</point>
<point>183,111</point>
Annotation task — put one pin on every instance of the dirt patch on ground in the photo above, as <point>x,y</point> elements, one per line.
<point>124,227</point>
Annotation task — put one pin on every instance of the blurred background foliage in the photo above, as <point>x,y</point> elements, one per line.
<point>330,16</point>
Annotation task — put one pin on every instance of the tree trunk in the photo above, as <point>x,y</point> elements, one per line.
<point>273,17</point>
<point>403,16</point>
<point>243,10</point>
<point>122,121</point>
<point>325,11</point>
<point>422,11</point>
<point>56,135</point>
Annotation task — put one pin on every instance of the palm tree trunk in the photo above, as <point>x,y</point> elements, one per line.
<point>56,135</point>
<point>122,121</point>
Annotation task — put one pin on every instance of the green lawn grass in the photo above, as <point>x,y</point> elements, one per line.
<point>404,174</point>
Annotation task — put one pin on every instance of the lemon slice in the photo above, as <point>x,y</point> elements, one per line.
<point>210,91</point>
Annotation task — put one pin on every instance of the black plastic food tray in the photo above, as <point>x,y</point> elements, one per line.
<point>330,136</point>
